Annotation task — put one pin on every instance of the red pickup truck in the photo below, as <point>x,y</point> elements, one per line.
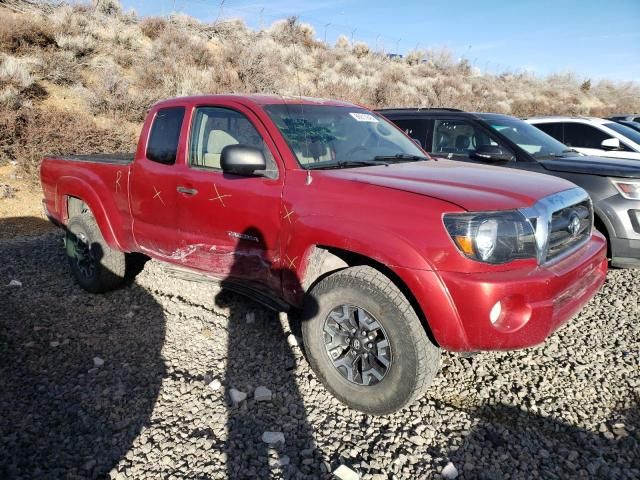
<point>328,208</point>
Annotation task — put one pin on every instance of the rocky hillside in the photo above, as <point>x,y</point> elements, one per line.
<point>80,78</point>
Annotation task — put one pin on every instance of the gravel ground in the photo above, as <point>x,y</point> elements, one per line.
<point>124,385</point>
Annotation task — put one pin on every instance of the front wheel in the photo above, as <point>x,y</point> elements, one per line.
<point>366,343</point>
<point>96,266</point>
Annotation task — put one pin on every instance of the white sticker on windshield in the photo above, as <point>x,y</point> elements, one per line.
<point>364,117</point>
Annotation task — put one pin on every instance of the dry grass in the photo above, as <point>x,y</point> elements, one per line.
<point>111,66</point>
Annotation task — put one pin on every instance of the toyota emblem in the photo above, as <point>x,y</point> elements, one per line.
<point>574,225</point>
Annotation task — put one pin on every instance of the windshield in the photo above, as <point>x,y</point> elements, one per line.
<point>628,132</point>
<point>526,136</point>
<point>324,136</point>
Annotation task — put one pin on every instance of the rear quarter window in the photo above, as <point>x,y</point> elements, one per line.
<point>165,134</point>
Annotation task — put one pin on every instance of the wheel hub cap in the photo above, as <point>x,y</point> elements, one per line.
<point>357,345</point>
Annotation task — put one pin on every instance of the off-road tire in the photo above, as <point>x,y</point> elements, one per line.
<point>415,359</point>
<point>108,265</point>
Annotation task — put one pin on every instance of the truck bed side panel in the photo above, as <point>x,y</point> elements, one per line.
<point>103,186</point>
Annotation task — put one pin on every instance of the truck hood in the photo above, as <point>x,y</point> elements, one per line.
<point>470,186</point>
<point>602,166</point>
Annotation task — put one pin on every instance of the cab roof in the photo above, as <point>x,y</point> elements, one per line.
<point>256,99</point>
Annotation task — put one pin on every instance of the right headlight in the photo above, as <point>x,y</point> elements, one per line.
<point>492,237</point>
<point>628,189</point>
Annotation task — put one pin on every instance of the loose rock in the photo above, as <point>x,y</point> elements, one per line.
<point>262,394</point>
<point>273,437</point>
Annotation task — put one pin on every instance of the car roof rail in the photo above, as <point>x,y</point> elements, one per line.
<point>446,109</point>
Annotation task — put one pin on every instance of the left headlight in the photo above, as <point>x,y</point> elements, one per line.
<point>628,189</point>
<point>492,237</point>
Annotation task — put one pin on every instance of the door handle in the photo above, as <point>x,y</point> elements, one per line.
<point>186,190</point>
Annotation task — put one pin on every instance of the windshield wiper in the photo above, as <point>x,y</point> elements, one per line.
<point>400,157</point>
<point>347,164</point>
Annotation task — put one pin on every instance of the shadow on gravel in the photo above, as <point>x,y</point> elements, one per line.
<point>11,227</point>
<point>510,443</point>
<point>250,365</point>
<point>79,373</point>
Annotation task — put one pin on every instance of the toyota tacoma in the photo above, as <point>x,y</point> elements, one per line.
<point>329,209</point>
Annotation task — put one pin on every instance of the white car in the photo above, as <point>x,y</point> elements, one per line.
<point>592,136</point>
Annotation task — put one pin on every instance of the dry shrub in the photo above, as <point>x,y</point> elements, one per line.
<point>79,45</point>
<point>28,134</point>
<point>291,30</point>
<point>153,27</point>
<point>108,7</point>
<point>179,46</point>
<point>111,95</point>
<point>15,72</point>
<point>18,32</point>
<point>59,67</point>
<point>361,49</point>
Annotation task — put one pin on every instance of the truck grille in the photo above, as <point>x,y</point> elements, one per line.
<point>562,223</point>
<point>570,227</point>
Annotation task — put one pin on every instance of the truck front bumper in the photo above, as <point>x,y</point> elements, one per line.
<point>511,309</point>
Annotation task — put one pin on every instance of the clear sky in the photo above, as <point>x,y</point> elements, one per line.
<point>593,38</point>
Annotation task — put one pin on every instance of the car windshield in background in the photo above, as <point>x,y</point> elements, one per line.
<point>628,132</point>
<point>324,136</point>
<point>529,138</point>
<point>634,125</point>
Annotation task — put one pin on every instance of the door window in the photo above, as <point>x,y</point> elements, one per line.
<point>215,128</point>
<point>165,134</point>
<point>457,138</point>
<point>581,135</point>
<point>553,129</point>
<point>417,129</point>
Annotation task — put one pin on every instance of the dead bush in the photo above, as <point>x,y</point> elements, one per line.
<point>15,72</point>
<point>28,134</point>
<point>291,30</point>
<point>361,49</point>
<point>112,95</point>
<point>108,7</point>
<point>18,32</point>
<point>153,27</point>
<point>59,67</point>
<point>79,45</point>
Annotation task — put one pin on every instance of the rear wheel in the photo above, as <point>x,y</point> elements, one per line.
<point>366,343</point>
<point>96,266</point>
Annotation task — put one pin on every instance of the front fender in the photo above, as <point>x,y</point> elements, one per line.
<point>378,244</point>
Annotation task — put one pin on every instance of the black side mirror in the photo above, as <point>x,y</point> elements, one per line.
<point>242,160</point>
<point>492,153</point>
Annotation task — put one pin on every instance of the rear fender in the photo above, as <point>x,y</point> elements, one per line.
<point>99,204</point>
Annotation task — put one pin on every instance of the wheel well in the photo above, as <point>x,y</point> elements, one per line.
<point>327,260</point>
<point>599,225</point>
<point>76,206</point>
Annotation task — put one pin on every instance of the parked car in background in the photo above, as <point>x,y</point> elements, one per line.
<point>326,207</point>
<point>592,136</point>
<point>492,139</point>
<point>630,124</point>
<point>632,117</point>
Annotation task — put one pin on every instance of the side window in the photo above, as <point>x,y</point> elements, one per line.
<point>583,136</point>
<point>553,129</point>
<point>457,137</point>
<point>417,129</point>
<point>214,128</point>
<point>165,134</point>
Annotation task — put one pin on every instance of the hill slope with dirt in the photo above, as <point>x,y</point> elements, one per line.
<point>79,79</point>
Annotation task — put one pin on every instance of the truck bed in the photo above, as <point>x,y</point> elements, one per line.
<point>111,158</point>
